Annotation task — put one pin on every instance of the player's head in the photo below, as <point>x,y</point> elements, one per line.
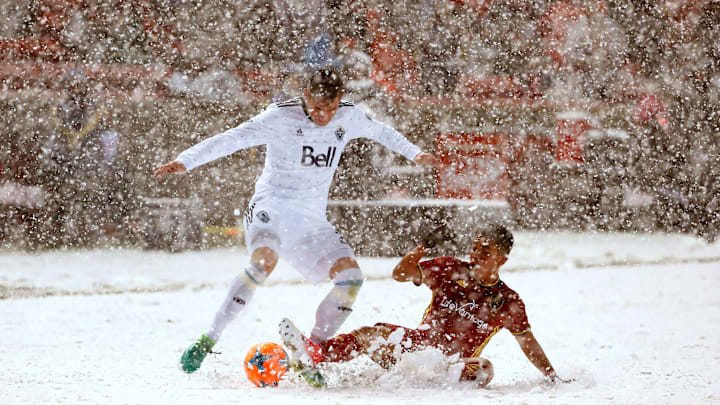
<point>322,94</point>
<point>490,250</point>
<point>499,235</point>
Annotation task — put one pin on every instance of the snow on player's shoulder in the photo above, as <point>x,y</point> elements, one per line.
<point>299,102</point>
<point>293,102</point>
<point>294,110</point>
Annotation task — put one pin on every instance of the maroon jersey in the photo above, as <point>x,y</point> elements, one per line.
<point>464,315</point>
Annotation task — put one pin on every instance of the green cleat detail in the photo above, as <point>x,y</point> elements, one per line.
<point>313,377</point>
<point>195,354</point>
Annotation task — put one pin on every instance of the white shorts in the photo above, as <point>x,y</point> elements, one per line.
<point>300,233</point>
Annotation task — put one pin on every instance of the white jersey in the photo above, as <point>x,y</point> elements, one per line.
<point>301,156</point>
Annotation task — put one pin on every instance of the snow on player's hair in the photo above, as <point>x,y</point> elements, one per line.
<point>326,84</point>
<point>499,235</point>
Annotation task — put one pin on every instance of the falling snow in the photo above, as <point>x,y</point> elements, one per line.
<point>595,120</point>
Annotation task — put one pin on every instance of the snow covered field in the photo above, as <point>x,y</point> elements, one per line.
<point>635,319</point>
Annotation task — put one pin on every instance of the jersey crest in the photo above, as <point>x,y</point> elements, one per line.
<point>263,217</point>
<point>496,302</point>
<point>340,133</point>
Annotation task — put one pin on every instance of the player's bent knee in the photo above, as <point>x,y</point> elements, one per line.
<point>479,370</point>
<point>266,258</point>
<point>341,265</point>
<point>486,373</point>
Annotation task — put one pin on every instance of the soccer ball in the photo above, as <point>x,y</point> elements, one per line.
<point>266,364</point>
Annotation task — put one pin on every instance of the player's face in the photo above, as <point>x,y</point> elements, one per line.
<point>321,111</point>
<point>486,260</point>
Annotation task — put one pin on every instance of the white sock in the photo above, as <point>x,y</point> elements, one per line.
<point>337,306</point>
<point>238,296</point>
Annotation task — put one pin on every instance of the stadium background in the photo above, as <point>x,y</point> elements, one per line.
<point>564,114</point>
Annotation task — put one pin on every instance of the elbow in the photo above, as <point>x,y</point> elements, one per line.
<point>399,274</point>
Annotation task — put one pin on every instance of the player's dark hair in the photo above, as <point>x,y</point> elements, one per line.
<point>499,235</point>
<point>325,84</point>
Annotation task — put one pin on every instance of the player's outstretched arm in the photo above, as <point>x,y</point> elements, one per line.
<point>537,357</point>
<point>173,167</point>
<point>407,269</point>
<point>428,159</point>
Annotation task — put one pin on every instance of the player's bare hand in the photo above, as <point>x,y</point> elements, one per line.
<point>428,159</point>
<point>173,167</point>
<point>554,379</point>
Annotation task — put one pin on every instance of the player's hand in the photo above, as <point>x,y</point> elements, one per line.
<point>428,159</point>
<point>554,379</point>
<point>173,167</point>
<point>438,235</point>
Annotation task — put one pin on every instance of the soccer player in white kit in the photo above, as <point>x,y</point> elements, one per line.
<point>286,216</point>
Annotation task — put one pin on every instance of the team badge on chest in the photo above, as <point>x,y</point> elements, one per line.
<point>496,302</point>
<point>340,133</point>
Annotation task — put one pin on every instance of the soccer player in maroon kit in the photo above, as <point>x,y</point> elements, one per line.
<point>470,304</point>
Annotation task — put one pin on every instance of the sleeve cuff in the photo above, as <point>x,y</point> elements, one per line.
<point>188,163</point>
<point>422,276</point>
<point>413,152</point>
<point>521,333</point>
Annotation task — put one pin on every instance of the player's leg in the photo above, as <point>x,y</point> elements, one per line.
<point>319,253</point>
<point>242,288</point>
<point>262,262</point>
<point>337,305</point>
<point>379,342</point>
<point>338,349</point>
<point>365,340</point>
<point>261,237</point>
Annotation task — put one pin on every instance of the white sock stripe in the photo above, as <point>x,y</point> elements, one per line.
<point>352,274</point>
<point>256,274</point>
<point>350,283</point>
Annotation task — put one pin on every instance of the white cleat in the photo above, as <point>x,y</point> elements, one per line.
<point>304,354</point>
<point>297,344</point>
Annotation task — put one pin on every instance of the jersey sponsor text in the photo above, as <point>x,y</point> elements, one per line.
<point>319,160</point>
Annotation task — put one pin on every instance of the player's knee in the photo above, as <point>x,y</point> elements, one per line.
<point>480,371</point>
<point>266,258</point>
<point>341,265</point>
<point>485,373</point>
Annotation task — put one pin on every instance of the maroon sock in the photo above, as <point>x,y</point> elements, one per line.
<point>341,348</point>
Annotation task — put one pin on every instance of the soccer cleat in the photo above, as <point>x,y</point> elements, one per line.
<point>195,354</point>
<point>304,353</point>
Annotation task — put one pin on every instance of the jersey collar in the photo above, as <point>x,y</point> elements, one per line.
<point>304,108</point>
<point>491,285</point>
